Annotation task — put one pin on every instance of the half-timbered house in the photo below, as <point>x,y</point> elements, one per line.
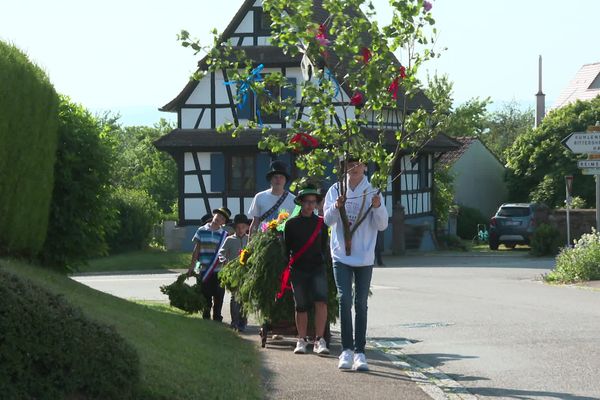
<point>217,170</point>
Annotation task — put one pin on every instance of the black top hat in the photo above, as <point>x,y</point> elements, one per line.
<point>306,191</point>
<point>277,167</point>
<point>206,218</point>
<point>224,211</point>
<point>241,219</point>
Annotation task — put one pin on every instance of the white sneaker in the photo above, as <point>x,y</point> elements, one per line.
<point>300,346</point>
<point>321,347</point>
<point>345,359</point>
<point>360,362</point>
<point>276,337</point>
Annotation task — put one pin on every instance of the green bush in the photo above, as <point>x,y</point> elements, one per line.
<point>467,220</point>
<point>28,137</point>
<point>81,214</point>
<point>137,214</point>
<point>580,263</point>
<point>545,241</point>
<point>50,350</point>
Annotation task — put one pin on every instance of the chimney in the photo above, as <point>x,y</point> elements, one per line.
<point>540,105</point>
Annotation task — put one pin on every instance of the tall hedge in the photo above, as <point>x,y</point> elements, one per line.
<point>81,212</point>
<point>28,136</point>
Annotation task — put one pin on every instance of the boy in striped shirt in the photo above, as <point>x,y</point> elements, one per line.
<point>208,240</point>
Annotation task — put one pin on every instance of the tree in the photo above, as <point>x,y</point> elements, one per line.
<point>504,125</point>
<point>139,165</point>
<point>350,64</point>
<point>81,213</point>
<point>467,119</point>
<point>538,161</point>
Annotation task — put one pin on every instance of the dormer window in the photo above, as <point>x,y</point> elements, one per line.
<point>595,83</point>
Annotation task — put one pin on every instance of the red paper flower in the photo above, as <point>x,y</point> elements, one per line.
<point>402,72</point>
<point>393,88</point>
<point>303,141</point>
<point>395,85</point>
<point>366,55</point>
<point>356,99</point>
<point>322,36</point>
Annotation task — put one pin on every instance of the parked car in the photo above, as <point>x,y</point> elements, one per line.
<point>515,223</point>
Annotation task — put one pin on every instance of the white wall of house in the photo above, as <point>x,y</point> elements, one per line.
<point>479,180</point>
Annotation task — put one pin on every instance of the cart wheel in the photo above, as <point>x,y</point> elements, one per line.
<point>263,336</point>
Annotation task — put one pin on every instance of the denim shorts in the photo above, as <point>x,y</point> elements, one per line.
<point>308,287</point>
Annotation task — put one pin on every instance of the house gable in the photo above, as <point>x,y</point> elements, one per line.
<point>584,86</point>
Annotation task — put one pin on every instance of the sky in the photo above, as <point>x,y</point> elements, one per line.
<point>122,55</point>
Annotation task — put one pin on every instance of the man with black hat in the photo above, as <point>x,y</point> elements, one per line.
<point>231,249</point>
<point>267,204</point>
<point>307,244</point>
<point>208,240</point>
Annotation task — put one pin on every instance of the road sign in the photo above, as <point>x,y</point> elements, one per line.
<point>588,164</point>
<point>590,171</point>
<point>583,142</point>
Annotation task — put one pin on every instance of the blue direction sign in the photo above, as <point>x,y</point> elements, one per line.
<point>583,142</point>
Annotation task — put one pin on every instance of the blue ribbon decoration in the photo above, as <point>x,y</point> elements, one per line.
<point>331,77</point>
<point>245,85</point>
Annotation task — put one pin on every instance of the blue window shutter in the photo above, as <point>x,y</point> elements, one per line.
<point>247,110</point>
<point>263,161</point>
<point>289,90</point>
<point>217,172</point>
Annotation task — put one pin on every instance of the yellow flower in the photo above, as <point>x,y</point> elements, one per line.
<point>244,255</point>
<point>273,224</point>
<point>282,216</point>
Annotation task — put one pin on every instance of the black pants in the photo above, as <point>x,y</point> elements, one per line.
<point>214,294</point>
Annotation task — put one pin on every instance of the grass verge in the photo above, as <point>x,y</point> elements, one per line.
<point>181,357</point>
<point>142,260</point>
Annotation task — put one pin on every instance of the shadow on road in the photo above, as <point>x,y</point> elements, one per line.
<point>525,394</point>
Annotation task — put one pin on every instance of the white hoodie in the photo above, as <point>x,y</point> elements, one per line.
<point>365,237</point>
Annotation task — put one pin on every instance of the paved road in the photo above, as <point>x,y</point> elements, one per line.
<point>491,325</point>
<point>486,322</point>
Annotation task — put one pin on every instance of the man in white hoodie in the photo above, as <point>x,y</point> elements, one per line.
<point>358,265</point>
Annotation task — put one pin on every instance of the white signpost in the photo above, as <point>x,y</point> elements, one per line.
<point>588,143</point>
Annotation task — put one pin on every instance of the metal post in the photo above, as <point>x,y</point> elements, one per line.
<point>597,203</point>
<point>568,224</point>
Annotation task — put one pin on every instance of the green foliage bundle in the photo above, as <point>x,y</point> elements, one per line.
<point>257,281</point>
<point>81,214</point>
<point>50,350</point>
<point>466,224</point>
<point>28,137</point>
<point>545,241</point>
<point>137,214</point>
<point>579,263</point>
<point>538,161</point>
<point>185,297</point>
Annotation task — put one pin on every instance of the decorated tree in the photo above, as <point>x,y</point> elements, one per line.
<point>355,95</point>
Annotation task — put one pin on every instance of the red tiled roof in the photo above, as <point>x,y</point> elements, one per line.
<point>584,86</point>
<point>451,157</point>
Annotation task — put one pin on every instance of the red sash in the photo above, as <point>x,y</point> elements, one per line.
<point>285,275</point>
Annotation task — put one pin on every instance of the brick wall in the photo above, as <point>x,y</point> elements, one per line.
<point>582,222</point>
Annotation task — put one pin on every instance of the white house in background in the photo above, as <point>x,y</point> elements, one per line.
<point>478,175</point>
<point>584,86</point>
